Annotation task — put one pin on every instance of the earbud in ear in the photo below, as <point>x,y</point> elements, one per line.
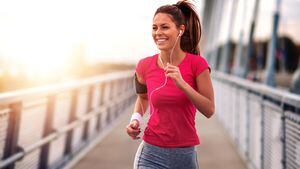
<point>180,33</point>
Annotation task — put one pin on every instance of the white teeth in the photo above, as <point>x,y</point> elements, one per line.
<point>161,40</point>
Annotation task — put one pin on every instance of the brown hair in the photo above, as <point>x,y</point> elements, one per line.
<point>184,13</point>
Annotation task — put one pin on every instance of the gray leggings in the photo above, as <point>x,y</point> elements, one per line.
<point>153,157</point>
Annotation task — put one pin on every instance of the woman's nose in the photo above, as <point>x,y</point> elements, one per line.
<point>157,32</point>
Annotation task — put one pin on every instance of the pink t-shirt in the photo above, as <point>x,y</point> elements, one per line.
<point>172,114</point>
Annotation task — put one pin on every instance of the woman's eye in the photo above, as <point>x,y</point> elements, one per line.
<point>154,28</point>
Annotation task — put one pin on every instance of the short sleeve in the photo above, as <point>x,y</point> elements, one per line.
<point>140,69</point>
<point>199,65</point>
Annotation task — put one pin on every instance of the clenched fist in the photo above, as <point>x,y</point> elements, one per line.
<point>133,129</point>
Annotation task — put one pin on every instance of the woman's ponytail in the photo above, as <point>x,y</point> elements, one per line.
<point>191,37</point>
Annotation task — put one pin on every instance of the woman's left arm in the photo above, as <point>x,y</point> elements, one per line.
<point>203,99</point>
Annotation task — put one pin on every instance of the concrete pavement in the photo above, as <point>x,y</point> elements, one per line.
<point>117,150</point>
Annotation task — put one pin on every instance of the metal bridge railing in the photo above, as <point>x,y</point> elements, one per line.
<point>47,127</point>
<point>263,122</point>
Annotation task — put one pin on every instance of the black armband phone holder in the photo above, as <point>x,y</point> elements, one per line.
<point>139,87</point>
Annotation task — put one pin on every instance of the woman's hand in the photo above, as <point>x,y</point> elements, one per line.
<point>174,73</point>
<point>133,129</point>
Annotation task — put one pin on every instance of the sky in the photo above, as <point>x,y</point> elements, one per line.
<point>40,32</point>
<point>49,32</point>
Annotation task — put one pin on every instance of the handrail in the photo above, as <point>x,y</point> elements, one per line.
<point>59,132</point>
<point>114,92</point>
<point>15,96</point>
<point>260,120</point>
<point>284,96</point>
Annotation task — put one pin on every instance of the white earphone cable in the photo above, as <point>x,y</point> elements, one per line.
<point>163,85</point>
<point>166,78</point>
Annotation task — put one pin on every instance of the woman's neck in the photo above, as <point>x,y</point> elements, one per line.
<point>176,56</point>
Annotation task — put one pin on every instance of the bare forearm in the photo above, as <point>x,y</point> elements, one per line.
<point>141,105</point>
<point>203,104</point>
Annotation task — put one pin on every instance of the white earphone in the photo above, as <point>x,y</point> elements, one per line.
<point>180,33</point>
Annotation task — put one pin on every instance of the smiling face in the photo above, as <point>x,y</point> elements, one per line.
<point>164,31</point>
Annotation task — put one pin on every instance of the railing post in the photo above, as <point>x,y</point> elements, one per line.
<point>72,117</point>
<point>237,114</point>
<point>248,127</point>
<point>48,129</point>
<point>125,89</point>
<point>283,137</point>
<point>101,98</point>
<point>12,137</point>
<point>85,135</point>
<point>118,93</point>
<point>113,97</point>
<point>108,115</point>
<point>262,140</point>
<point>108,109</point>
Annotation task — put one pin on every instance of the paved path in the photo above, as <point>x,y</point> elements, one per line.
<point>117,150</point>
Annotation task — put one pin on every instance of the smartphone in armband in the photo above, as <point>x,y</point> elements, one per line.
<point>139,87</point>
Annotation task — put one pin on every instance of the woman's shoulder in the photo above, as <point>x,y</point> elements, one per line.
<point>195,57</point>
<point>146,60</point>
<point>198,63</point>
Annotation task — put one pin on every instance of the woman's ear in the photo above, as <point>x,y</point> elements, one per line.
<point>181,31</point>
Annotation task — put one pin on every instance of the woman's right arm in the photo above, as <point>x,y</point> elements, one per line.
<point>141,105</point>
